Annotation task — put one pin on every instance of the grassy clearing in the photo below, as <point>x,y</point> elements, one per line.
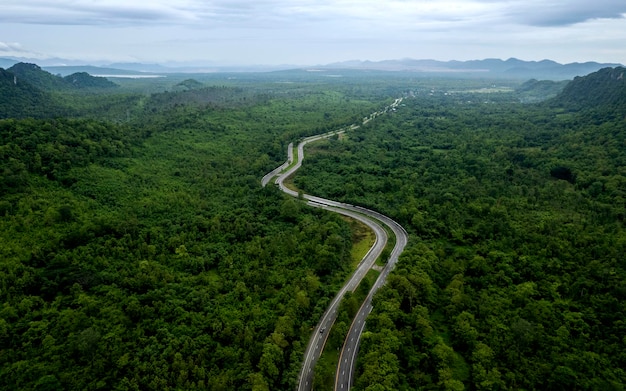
<point>362,240</point>
<point>391,242</point>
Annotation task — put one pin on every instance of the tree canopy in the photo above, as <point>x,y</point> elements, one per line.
<point>517,278</point>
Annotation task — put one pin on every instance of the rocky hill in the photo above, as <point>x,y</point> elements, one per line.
<point>18,98</point>
<point>28,91</point>
<point>606,87</point>
<point>85,80</point>
<point>46,81</point>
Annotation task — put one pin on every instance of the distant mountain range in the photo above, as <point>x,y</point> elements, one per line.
<point>511,68</point>
<point>490,68</point>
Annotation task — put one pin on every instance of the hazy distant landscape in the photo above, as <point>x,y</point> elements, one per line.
<point>488,68</point>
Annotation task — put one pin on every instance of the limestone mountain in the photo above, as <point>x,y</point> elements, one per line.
<point>606,87</point>
<point>85,80</point>
<point>46,81</point>
<point>19,99</point>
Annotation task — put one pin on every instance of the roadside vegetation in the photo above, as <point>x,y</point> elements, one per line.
<point>138,250</point>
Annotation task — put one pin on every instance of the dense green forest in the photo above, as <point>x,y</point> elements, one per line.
<point>138,250</point>
<point>517,279</point>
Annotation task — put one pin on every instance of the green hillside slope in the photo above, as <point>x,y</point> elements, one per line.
<point>606,87</point>
<point>46,81</point>
<point>19,99</point>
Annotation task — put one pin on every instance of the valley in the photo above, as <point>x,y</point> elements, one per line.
<point>139,250</point>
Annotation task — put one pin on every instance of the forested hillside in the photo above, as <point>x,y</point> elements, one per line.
<point>604,89</point>
<point>533,90</point>
<point>85,80</point>
<point>144,254</point>
<point>46,81</point>
<point>19,100</point>
<point>517,279</point>
<point>27,91</point>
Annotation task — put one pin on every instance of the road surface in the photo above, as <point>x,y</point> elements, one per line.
<point>372,219</point>
<point>347,359</point>
<point>268,177</point>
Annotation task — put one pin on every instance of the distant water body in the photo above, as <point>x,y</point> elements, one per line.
<point>132,76</point>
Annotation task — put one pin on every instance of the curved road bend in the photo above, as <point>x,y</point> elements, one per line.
<point>347,358</point>
<point>320,334</point>
<point>372,219</point>
<point>266,179</point>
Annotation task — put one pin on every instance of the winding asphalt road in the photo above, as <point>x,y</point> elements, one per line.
<point>372,219</point>
<point>347,358</point>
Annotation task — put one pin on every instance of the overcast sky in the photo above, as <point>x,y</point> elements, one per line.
<point>309,32</point>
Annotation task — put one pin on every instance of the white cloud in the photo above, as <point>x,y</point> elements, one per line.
<point>564,12</point>
<point>269,13</point>
<point>271,31</point>
<point>15,49</point>
<point>10,47</point>
<point>82,12</point>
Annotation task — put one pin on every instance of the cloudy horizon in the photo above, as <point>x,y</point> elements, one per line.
<point>273,32</point>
